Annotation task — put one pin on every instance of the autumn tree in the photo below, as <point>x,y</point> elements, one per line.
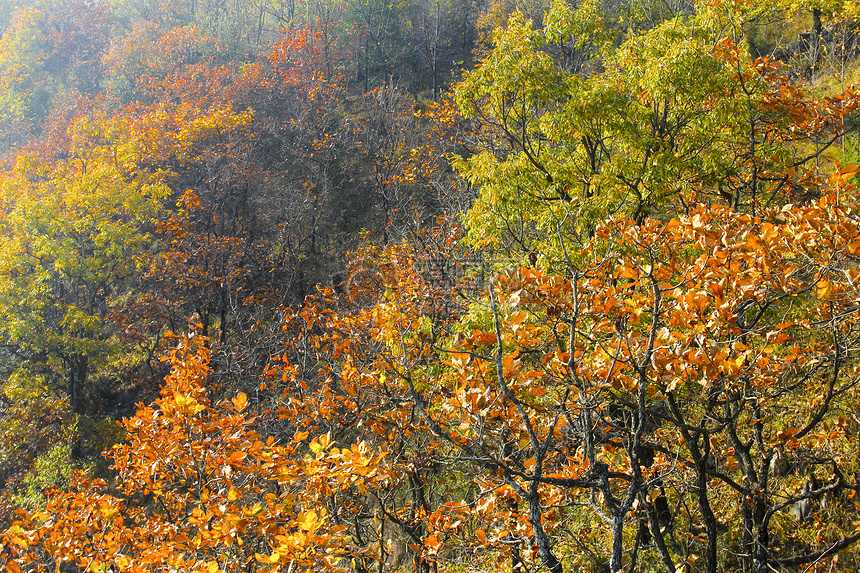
<point>406,176</point>
<point>22,76</point>
<point>652,387</point>
<point>217,255</point>
<point>265,208</point>
<point>336,378</point>
<point>49,52</point>
<point>76,34</point>
<point>198,489</point>
<point>79,211</point>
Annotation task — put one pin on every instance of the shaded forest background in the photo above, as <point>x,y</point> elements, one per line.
<point>435,284</point>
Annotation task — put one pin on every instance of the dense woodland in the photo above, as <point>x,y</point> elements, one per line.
<point>442,286</point>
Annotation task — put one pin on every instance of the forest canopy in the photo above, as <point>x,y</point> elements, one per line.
<point>344,285</point>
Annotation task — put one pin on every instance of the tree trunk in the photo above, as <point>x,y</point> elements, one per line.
<point>548,558</point>
<point>615,560</point>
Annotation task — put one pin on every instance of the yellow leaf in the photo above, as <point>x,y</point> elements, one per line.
<point>107,510</point>
<point>308,520</point>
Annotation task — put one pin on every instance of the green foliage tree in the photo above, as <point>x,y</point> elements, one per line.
<point>572,128</point>
<point>73,238</point>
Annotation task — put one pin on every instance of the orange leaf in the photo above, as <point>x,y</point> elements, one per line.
<point>240,401</point>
